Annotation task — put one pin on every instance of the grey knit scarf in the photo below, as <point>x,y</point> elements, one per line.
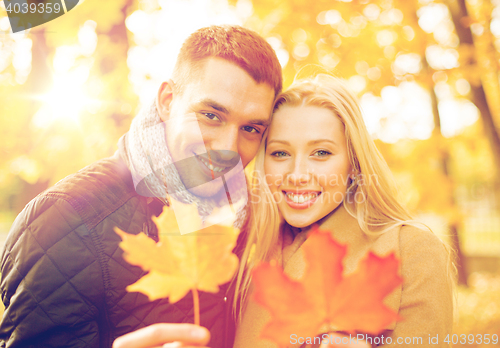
<point>144,150</point>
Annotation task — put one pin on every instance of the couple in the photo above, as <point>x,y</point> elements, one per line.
<point>316,164</point>
<point>63,274</point>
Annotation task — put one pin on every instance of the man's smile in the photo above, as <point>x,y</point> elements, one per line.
<point>211,168</point>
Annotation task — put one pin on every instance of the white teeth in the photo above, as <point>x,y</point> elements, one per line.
<point>301,198</point>
<point>211,167</point>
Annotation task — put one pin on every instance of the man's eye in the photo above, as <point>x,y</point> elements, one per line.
<point>279,154</point>
<point>211,116</point>
<point>250,129</point>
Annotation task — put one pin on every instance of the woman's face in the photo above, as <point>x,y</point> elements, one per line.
<point>307,164</point>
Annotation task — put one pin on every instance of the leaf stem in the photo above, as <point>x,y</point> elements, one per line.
<point>196,304</point>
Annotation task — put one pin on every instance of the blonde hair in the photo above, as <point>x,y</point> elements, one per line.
<point>377,212</point>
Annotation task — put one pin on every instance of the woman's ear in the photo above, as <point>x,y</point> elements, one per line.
<point>164,99</point>
<point>352,175</point>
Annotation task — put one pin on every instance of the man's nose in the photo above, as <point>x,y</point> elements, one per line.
<point>224,149</point>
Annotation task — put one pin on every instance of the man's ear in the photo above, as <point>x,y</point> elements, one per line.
<point>164,99</point>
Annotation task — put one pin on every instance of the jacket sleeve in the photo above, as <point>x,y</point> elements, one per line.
<point>426,304</point>
<point>51,281</point>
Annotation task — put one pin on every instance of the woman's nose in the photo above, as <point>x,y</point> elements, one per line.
<point>299,173</point>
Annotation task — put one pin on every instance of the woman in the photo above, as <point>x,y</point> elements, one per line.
<point>318,165</point>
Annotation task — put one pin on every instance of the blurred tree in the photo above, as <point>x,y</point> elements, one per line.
<point>71,99</point>
<point>440,150</point>
<point>74,104</point>
<point>380,43</point>
<point>481,58</point>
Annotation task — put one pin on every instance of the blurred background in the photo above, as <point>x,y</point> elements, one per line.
<point>426,72</point>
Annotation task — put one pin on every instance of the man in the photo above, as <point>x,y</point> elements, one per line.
<point>63,274</point>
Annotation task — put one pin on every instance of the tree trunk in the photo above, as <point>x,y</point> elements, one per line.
<point>40,77</point>
<point>38,83</point>
<point>454,227</point>
<point>460,18</point>
<point>460,260</point>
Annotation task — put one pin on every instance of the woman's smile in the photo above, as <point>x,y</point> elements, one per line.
<point>298,199</point>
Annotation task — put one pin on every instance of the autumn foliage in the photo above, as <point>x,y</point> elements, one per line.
<point>204,260</point>
<point>323,296</point>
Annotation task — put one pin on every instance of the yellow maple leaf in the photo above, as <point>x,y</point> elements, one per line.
<point>177,264</point>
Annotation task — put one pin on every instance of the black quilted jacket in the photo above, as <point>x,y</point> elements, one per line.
<point>63,276</point>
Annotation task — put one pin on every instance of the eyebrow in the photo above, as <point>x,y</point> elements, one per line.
<point>219,107</point>
<point>263,123</point>
<point>214,105</point>
<point>312,142</point>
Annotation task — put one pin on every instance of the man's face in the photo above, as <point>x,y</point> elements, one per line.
<point>232,112</point>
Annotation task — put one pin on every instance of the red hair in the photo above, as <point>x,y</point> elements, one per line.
<point>236,44</point>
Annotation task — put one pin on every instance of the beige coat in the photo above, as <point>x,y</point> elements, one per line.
<point>424,300</point>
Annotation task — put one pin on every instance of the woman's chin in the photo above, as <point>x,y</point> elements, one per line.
<point>303,218</point>
<point>299,221</point>
<point>300,218</point>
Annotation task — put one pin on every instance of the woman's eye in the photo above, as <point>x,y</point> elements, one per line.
<point>250,129</point>
<point>322,153</point>
<point>210,116</point>
<point>279,154</point>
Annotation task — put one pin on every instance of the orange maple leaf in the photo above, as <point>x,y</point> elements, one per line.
<point>323,296</point>
<point>178,263</point>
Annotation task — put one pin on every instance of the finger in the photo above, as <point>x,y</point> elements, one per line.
<point>178,345</point>
<point>159,334</point>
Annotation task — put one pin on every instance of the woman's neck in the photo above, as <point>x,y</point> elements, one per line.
<point>295,230</point>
